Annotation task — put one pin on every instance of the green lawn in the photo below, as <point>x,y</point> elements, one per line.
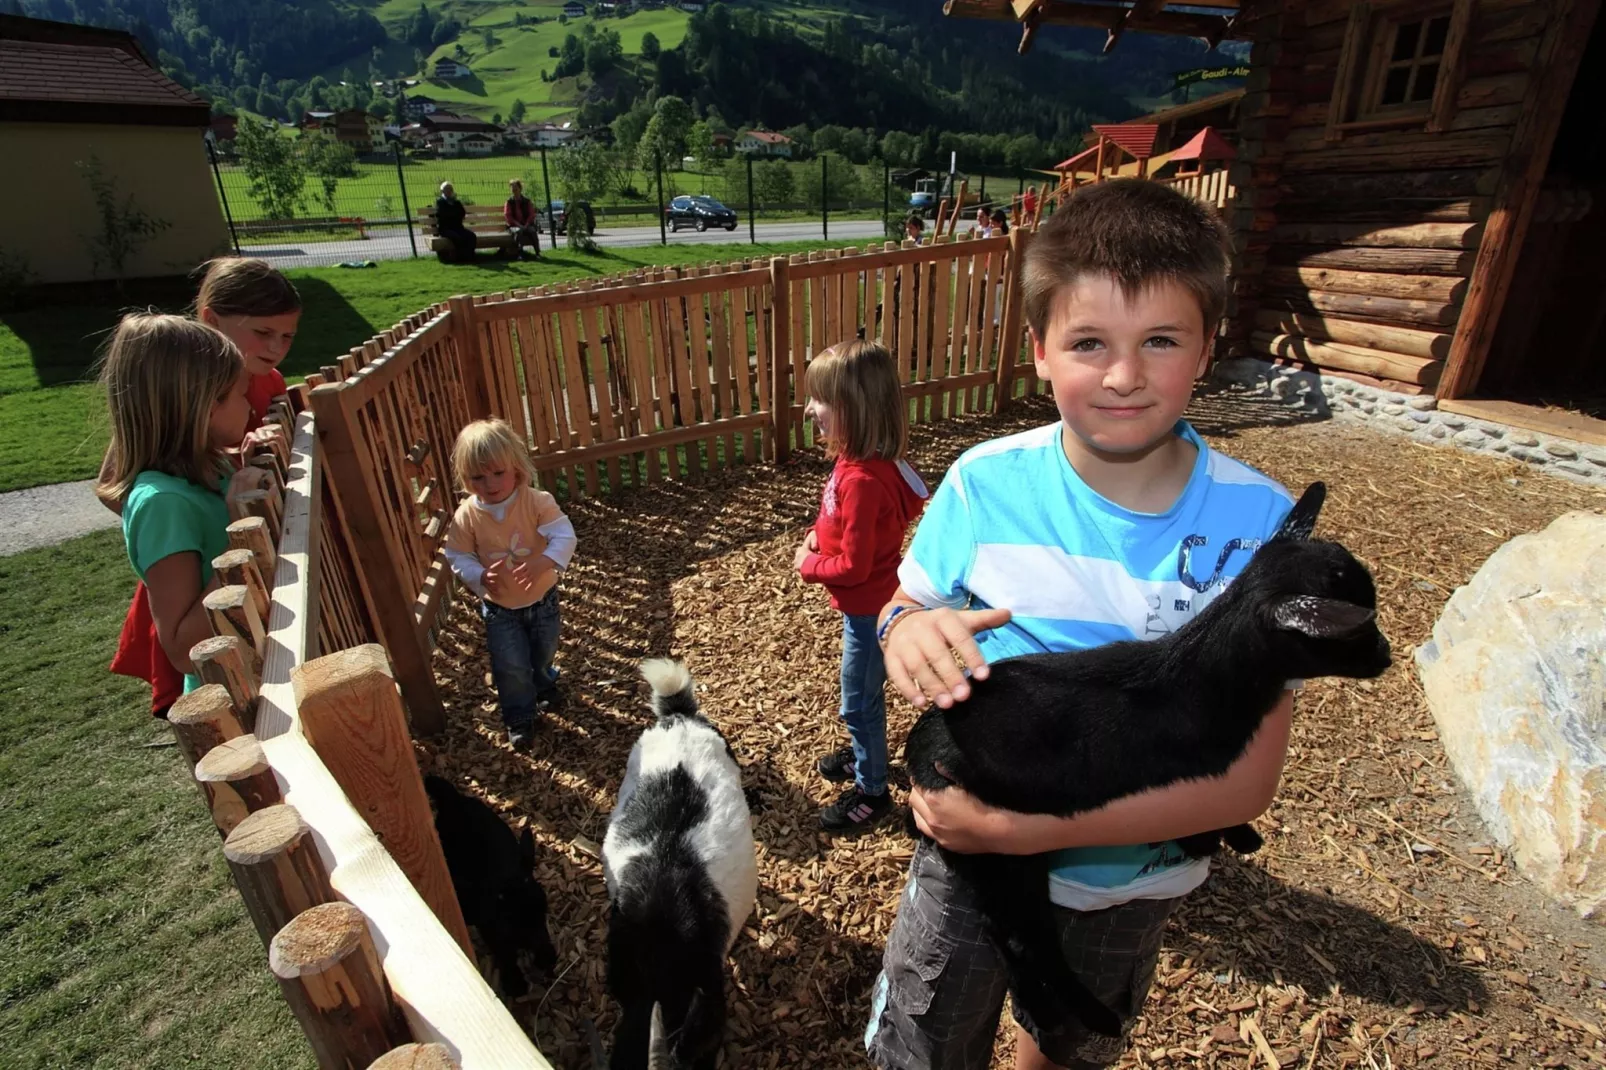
<point>125,944</point>
<point>53,421</point>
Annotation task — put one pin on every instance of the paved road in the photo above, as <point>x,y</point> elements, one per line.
<point>390,243</point>
<point>44,516</point>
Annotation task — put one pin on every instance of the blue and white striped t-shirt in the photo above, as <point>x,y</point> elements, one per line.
<point>1013,526</point>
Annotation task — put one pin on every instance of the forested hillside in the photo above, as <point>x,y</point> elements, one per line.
<point>864,66</point>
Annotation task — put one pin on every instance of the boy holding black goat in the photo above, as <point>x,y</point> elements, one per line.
<point>1117,522</point>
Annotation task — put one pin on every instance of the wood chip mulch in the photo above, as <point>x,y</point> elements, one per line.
<point>1380,927</point>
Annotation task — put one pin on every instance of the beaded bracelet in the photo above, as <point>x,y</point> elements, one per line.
<point>882,632</point>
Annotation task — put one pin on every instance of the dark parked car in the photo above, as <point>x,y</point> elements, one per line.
<point>699,212</point>
<point>556,221</point>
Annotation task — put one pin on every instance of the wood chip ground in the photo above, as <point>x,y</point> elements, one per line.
<point>1378,928</point>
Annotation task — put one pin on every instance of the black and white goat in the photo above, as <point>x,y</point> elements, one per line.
<point>493,873</point>
<point>1066,733</point>
<point>682,876</point>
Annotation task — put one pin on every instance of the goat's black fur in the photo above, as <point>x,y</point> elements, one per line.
<point>493,874</point>
<point>1066,733</point>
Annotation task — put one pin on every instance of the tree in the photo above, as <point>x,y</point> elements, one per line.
<point>629,127</point>
<point>488,36</point>
<point>571,58</point>
<point>900,149</point>
<point>700,142</point>
<point>666,132</point>
<point>1025,151</point>
<point>603,51</point>
<point>273,170</point>
<point>517,111</point>
<point>772,182</point>
<point>125,227</point>
<point>328,161</point>
<point>582,172</point>
<point>649,46</point>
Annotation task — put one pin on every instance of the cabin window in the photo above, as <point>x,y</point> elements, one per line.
<point>1399,66</point>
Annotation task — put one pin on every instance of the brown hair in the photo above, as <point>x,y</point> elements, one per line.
<point>245,286</point>
<point>162,375</point>
<point>859,381</point>
<point>1138,233</point>
<point>487,442</point>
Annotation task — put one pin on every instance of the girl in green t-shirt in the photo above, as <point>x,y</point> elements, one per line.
<point>176,390</point>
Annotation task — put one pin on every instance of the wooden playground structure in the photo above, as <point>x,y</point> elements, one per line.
<point>318,676</point>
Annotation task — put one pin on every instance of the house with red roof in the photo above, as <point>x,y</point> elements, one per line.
<point>764,143</point>
<point>74,94</point>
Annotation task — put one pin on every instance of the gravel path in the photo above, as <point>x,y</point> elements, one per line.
<point>44,516</point>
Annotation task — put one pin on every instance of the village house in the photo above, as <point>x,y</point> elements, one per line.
<point>765,143</point>
<point>458,135</point>
<point>449,69</point>
<point>356,129</point>
<point>1416,196</point>
<point>544,135</point>
<point>72,95</point>
<point>222,128</point>
<point>417,105</point>
<point>574,9</point>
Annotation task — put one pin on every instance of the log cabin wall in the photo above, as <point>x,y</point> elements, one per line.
<point>1355,244</point>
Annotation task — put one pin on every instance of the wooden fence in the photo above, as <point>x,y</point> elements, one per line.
<point>1213,188</point>
<point>663,373</point>
<point>301,752</point>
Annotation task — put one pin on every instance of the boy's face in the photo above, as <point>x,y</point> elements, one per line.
<point>1122,369</point>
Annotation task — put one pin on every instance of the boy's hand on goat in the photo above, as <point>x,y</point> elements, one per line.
<point>920,653</point>
<point>964,824</point>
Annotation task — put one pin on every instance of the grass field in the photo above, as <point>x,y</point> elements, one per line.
<point>125,943</point>
<point>53,421</point>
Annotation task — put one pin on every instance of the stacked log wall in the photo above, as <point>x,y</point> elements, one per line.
<point>1354,254</point>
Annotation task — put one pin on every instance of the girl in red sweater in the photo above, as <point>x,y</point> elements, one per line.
<point>854,549</point>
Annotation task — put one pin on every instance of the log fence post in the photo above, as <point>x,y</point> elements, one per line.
<point>327,966</point>
<point>471,360</point>
<point>253,534</point>
<point>351,471</point>
<point>237,780</point>
<point>225,660</point>
<point>203,720</point>
<point>233,612</point>
<point>780,359</point>
<point>239,568</point>
<point>416,1057</point>
<point>351,714</point>
<point>276,868</point>
<point>1009,345</point>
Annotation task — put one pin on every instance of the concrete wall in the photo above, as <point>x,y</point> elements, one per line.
<point>50,211</point>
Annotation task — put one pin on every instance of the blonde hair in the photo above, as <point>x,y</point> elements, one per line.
<point>484,443</point>
<point>244,286</point>
<point>859,381</point>
<point>162,375</point>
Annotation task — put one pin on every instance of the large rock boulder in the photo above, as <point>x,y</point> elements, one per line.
<point>1516,678</point>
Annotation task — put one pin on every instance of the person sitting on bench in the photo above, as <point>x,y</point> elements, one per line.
<point>449,216</point>
<point>519,214</point>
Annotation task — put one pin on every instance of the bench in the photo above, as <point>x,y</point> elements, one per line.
<point>484,220</point>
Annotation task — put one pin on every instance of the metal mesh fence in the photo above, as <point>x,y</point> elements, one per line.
<point>374,208</point>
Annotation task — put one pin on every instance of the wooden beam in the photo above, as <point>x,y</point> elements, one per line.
<point>1317,327</point>
<point>1556,66</point>
<point>1347,357</point>
<point>1142,9</point>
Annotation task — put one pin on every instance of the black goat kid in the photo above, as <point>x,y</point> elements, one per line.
<point>1066,733</point>
<point>494,876</point>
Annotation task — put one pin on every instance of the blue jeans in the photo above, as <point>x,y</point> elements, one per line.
<point>864,706</point>
<point>523,643</point>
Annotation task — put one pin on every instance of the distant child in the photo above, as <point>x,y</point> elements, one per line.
<point>853,549</point>
<point>176,392</point>
<point>999,223</point>
<point>507,542</point>
<point>518,212</point>
<point>1115,522</point>
<point>257,308</point>
<point>984,223</point>
<point>914,227</point>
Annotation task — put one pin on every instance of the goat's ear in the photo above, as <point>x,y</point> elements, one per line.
<point>1301,519</point>
<point>1320,618</point>
<point>527,849</point>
